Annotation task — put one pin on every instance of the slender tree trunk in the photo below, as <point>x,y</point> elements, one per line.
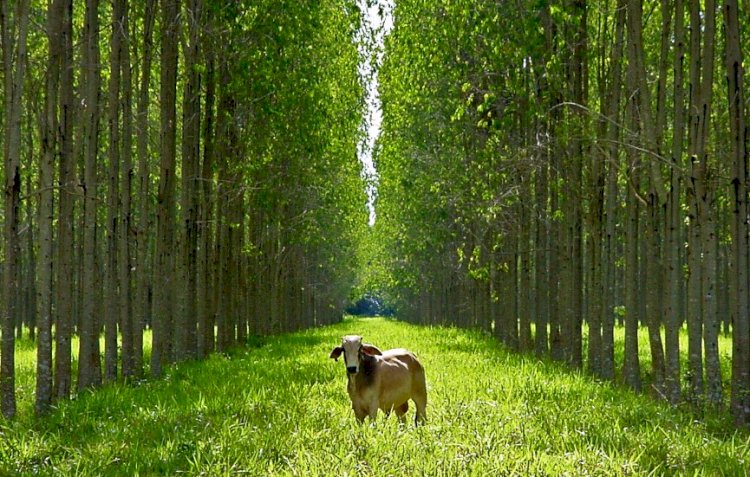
<point>513,334</point>
<point>611,195</point>
<point>647,135</point>
<point>164,271</point>
<point>31,254</point>
<point>714,392</point>
<point>707,212</point>
<point>185,329</point>
<point>205,282</point>
<point>125,239</point>
<point>14,32</point>
<point>555,294</point>
<point>142,286</point>
<point>673,274</point>
<point>542,243</point>
<point>66,218</point>
<point>573,261</point>
<point>524,282</point>
<point>112,290</point>
<point>700,288</point>
<point>224,197</point>
<point>89,371</point>
<point>631,366</point>
<point>740,399</point>
<point>555,227</point>
<point>594,223</point>
<point>44,381</point>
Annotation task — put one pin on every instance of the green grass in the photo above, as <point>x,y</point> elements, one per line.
<point>281,408</point>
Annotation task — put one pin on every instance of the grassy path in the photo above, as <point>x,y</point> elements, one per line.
<point>281,409</point>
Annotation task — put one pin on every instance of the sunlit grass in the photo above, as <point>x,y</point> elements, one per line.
<point>280,408</point>
<point>26,355</point>
<point>644,353</point>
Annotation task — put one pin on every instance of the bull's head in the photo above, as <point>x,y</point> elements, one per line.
<point>353,349</point>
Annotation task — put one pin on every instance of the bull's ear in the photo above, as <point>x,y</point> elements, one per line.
<point>336,353</point>
<point>371,350</point>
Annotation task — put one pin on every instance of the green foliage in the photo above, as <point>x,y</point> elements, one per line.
<point>454,89</point>
<point>293,79</point>
<point>279,407</point>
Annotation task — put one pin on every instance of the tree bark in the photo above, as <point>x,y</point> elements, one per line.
<point>740,399</point>
<point>673,273</point>
<point>643,122</point>
<point>89,368</point>
<point>206,277</point>
<point>185,328</point>
<point>44,382</point>
<point>113,291</point>
<point>707,212</point>
<point>143,275</point>
<point>542,243</point>
<point>631,365</point>
<point>125,237</point>
<point>164,276</point>
<point>14,33</point>
<point>68,192</point>
<point>611,205</point>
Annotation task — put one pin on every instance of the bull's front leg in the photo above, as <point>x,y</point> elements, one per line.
<point>360,412</point>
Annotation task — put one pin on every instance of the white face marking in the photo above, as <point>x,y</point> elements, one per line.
<point>351,345</point>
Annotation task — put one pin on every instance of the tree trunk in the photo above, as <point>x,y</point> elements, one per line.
<point>611,199</point>
<point>124,238</point>
<point>673,273</point>
<point>574,214</point>
<point>205,273</point>
<point>700,291</point>
<point>647,135</point>
<point>524,282</point>
<point>89,369</point>
<point>555,294</point>
<point>631,366</point>
<point>542,243</point>
<point>740,399</point>
<point>164,271</point>
<point>14,32</point>
<point>31,254</point>
<point>68,191</point>
<point>707,212</point>
<point>44,382</point>
<point>185,327</point>
<point>143,275</point>
<point>113,290</point>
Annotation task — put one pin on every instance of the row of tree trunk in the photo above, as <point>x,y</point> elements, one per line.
<point>147,194</point>
<point>624,194</point>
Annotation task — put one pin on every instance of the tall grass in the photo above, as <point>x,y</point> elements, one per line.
<point>280,408</point>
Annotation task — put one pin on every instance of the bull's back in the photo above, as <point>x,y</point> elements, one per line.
<point>402,375</point>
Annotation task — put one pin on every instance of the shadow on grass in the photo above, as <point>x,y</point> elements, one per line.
<point>162,426</point>
<point>235,404</point>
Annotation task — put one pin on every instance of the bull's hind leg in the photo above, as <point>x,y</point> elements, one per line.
<point>420,402</point>
<point>419,396</point>
<point>401,411</point>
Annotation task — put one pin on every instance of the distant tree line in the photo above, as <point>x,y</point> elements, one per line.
<point>549,165</point>
<point>183,166</point>
<point>370,305</point>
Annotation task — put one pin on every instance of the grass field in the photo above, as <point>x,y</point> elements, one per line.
<point>281,408</point>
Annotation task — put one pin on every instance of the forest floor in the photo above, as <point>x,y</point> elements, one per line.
<point>280,408</point>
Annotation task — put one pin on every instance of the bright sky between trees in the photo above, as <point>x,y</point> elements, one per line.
<point>378,19</point>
